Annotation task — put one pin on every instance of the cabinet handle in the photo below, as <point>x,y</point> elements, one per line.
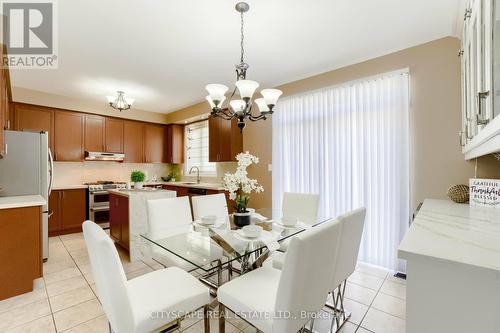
<point>480,97</point>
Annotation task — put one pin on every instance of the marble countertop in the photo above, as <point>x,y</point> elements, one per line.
<point>208,186</point>
<point>127,193</point>
<point>455,232</point>
<point>21,201</point>
<point>68,187</point>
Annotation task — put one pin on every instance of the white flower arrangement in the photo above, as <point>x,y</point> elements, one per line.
<point>238,184</point>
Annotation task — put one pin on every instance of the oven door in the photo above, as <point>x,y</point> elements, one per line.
<point>99,199</point>
<point>99,214</point>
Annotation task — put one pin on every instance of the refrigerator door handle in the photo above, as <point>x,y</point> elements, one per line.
<point>51,171</point>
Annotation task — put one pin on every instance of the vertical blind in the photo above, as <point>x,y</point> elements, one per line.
<point>350,144</point>
<point>197,147</point>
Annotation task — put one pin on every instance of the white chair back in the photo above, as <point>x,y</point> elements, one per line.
<point>163,214</point>
<point>109,277</point>
<point>212,204</point>
<point>352,230</point>
<point>304,206</point>
<point>305,279</point>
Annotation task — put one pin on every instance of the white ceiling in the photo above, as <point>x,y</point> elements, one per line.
<point>163,52</point>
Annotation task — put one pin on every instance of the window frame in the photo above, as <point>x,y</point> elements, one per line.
<point>187,165</point>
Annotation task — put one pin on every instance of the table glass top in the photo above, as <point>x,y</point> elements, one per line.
<point>207,247</point>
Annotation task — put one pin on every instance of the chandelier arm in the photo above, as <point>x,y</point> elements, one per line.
<point>256,118</point>
<point>223,113</point>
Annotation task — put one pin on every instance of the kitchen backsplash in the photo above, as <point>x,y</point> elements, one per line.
<point>75,173</point>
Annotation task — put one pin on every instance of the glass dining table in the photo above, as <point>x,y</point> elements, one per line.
<point>214,249</point>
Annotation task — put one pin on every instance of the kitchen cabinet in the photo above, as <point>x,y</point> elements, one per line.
<point>113,135</point>
<point>119,219</point>
<point>69,136</point>
<point>133,141</point>
<point>94,133</point>
<point>181,191</point>
<point>225,139</point>
<point>34,118</point>
<point>68,208</point>
<point>175,144</point>
<point>154,143</point>
<point>480,79</point>
<point>20,250</point>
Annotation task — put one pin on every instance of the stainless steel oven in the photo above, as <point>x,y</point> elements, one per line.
<point>98,199</point>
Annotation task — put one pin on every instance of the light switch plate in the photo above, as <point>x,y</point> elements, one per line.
<point>269,167</point>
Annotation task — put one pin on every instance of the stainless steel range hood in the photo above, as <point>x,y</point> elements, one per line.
<point>102,156</point>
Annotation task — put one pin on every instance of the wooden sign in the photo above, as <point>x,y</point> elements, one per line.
<point>484,192</point>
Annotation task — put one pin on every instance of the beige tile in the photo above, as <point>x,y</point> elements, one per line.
<point>381,322</point>
<point>57,266</point>
<point>323,326</point>
<point>40,325</point>
<point>85,269</point>
<point>71,298</point>
<point>356,309</point>
<point>55,239</point>
<point>394,289</point>
<point>81,261</point>
<point>366,280</point>
<point>96,325</point>
<point>80,253</point>
<point>69,237</point>
<point>39,284</point>
<point>77,314</point>
<point>236,321</point>
<point>214,327</point>
<point>23,315</point>
<point>359,294</point>
<point>89,277</point>
<point>133,266</point>
<point>61,275</point>
<point>191,319</point>
<point>372,270</point>
<point>22,300</point>
<point>63,286</point>
<point>390,304</point>
<point>139,272</point>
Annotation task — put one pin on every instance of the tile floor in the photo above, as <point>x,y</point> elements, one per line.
<point>64,300</point>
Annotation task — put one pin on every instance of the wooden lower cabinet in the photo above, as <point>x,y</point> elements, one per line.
<point>69,211</point>
<point>119,220</point>
<point>20,250</point>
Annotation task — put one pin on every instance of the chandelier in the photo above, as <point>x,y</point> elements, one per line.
<point>241,108</point>
<point>120,102</point>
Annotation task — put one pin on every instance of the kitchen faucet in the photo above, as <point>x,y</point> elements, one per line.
<point>197,175</point>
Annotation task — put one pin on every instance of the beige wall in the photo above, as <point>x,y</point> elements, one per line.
<point>40,98</point>
<point>437,160</point>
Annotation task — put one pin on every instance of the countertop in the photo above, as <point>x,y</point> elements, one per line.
<point>21,201</point>
<point>456,233</point>
<point>208,186</point>
<point>127,193</point>
<point>68,187</point>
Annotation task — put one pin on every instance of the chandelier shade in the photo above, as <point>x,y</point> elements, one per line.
<point>120,102</point>
<point>241,108</point>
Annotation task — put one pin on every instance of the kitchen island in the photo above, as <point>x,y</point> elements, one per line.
<point>128,217</point>
<point>453,268</point>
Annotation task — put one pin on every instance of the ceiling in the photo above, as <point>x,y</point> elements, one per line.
<point>163,52</point>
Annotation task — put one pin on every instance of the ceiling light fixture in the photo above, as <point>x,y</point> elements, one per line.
<point>120,102</point>
<point>241,108</point>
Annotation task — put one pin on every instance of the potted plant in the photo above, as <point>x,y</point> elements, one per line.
<point>240,186</point>
<point>137,177</point>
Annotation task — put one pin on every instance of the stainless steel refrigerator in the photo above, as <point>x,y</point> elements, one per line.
<point>27,169</point>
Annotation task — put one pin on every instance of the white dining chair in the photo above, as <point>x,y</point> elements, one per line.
<point>303,206</point>
<point>167,217</point>
<point>292,290</point>
<point>146,303</point>
<point>212,204</point>
<point>352,224</point>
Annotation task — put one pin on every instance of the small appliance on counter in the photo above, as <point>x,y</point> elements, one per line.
<point>27,169</point>
<point>98,200</point>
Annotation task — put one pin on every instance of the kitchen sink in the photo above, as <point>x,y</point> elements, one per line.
<point>188,183</point>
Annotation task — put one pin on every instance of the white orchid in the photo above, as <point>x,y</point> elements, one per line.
<point>238,182</point>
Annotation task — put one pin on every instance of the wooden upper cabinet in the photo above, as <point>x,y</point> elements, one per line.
<point>175,144</point>
<point>68,136</point>
<point>94,133</point>
<point>133,140</point>
<point>114,135</point>
<point>154,143</point>
<point>225,139</point>
<point>214,124</point>
<point>34,118</point>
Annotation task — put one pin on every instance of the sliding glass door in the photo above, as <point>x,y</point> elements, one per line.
<point>350,144</point>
